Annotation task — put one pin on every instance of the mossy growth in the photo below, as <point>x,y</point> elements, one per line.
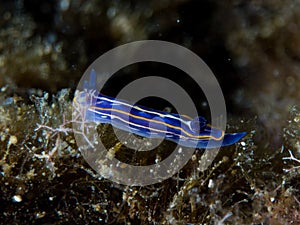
<point>44,178</point>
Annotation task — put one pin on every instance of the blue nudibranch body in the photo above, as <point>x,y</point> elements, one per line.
<point>152,123</point>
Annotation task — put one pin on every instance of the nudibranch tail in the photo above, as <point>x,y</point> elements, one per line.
<point>232,138</point>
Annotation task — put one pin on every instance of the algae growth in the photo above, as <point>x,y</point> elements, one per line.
<point>44,178</point>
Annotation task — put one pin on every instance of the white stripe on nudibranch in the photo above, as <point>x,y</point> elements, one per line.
<point>137,125</point>
<point>144,110</point>
<point>92,107</point>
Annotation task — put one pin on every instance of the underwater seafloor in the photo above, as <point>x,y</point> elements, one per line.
<point>253,48</point>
